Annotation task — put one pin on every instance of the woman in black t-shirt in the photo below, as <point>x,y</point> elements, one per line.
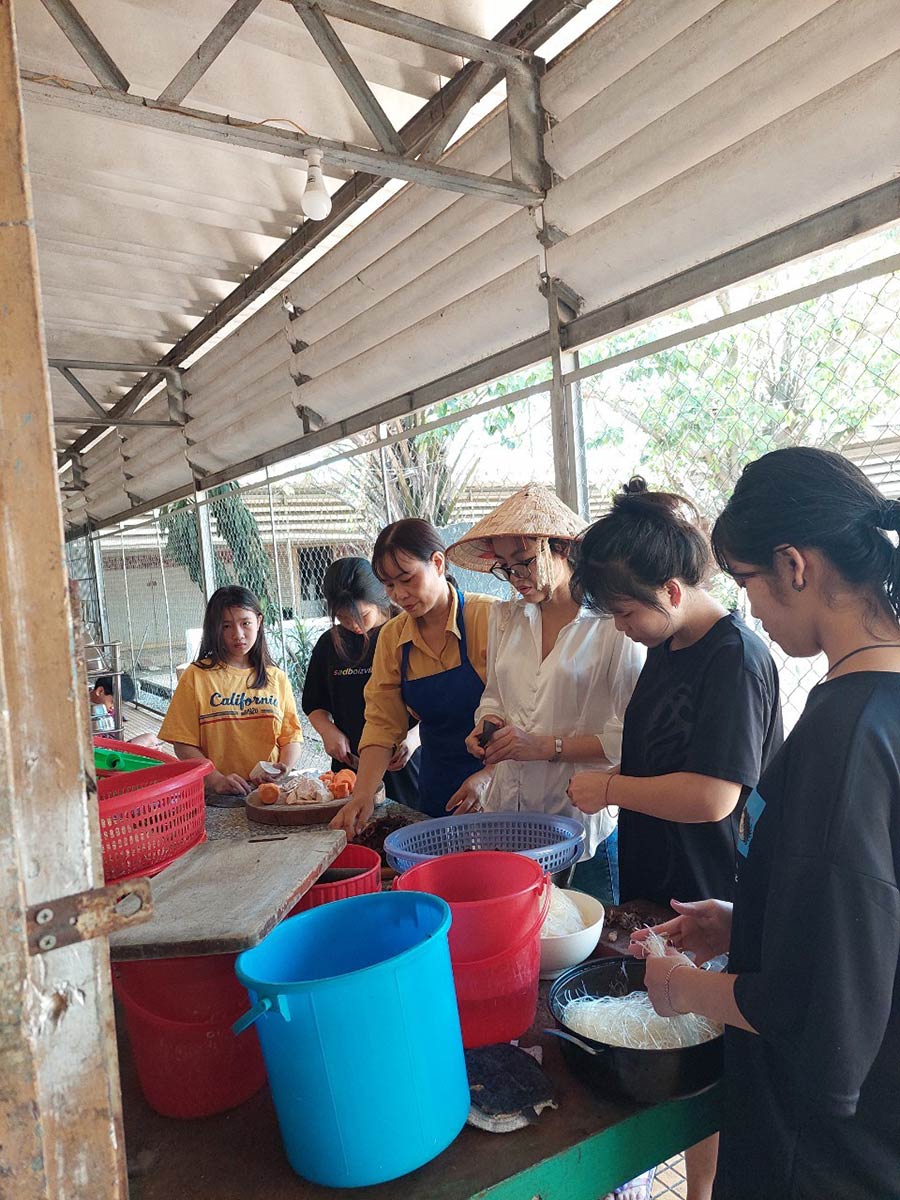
<point>704,716</point>
<point>339,669</point>
<point>702,721</point>
<point>811,1000</point>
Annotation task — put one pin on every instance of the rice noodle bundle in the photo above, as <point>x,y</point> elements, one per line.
<point>563,915</point>
<point>632,1022</point>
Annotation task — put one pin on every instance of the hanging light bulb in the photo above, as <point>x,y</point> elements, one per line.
<point>316,203</point>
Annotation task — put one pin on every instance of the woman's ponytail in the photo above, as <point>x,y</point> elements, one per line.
<point>814,499</point>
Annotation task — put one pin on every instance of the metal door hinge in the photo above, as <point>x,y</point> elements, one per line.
<point>95,913</point>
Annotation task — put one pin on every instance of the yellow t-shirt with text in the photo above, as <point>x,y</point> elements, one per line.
<point>235,724</point>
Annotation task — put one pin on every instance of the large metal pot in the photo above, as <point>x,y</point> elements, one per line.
<point>648,1076</point>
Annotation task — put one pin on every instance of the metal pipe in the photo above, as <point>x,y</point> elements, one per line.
<point>277,576</point>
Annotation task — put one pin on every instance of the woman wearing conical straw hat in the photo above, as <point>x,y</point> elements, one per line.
<point>558,677</point>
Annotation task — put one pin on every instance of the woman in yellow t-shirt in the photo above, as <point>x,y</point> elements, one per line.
<point>232,705</point>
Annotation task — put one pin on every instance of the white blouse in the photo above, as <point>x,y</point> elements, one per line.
<point>582,687</point>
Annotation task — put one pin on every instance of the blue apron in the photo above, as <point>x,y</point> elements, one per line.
<point>445,704</point>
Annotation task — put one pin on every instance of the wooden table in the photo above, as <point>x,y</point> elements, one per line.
<point>579,1151</point>
<point>226,894</point>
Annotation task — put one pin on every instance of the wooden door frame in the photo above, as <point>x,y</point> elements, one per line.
<point>60,1108</point>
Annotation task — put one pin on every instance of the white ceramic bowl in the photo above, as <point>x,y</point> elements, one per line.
<point>570,949</point>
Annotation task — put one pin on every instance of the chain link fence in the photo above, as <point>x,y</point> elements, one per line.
<point>688,413</point>
<point>685,400</point>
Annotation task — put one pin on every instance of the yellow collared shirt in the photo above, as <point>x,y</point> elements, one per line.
<point>387,717</point>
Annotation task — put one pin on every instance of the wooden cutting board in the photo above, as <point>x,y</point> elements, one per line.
<point>297,814</point>
<point>224,896</point>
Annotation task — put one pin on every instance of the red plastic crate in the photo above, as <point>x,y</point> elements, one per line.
<point>150,818</point>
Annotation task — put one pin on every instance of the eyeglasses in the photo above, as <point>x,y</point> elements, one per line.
<point>520,570</point>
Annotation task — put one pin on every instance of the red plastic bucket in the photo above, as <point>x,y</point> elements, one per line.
<point>189,1068</point>
<point>359,885</point>
<point>498,901</point>
<point>198,989</point>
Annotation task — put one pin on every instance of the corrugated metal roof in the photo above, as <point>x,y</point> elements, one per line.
<point>682,132</point>
<point>141,232</point>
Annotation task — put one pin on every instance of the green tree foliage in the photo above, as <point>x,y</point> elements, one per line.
<point>691,416</point>
<point>250,564</point>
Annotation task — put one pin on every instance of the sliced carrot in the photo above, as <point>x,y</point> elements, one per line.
<point>269,793</point>
<point>341,790</point>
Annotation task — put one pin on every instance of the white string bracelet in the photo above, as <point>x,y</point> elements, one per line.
<point>668,994</point>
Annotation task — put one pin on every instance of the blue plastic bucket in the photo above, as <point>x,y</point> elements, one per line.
<point>356,1012</point>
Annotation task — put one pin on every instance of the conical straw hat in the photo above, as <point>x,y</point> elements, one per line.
<point>534,512</point>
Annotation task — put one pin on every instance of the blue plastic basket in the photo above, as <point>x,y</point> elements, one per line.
<point>553,841</point>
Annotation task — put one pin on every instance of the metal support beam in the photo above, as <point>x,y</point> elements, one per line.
<point>525,115</point>
<point>176,396</point>
<point>136,110</point>
<point>420,30</point>
<point>880,206</point>
<point>480,82</point>
<point>207,554</point>
<point>539,20</point>
<point>100,587</point>
<point>79,480</point>
<point>351,79</point>
<point>119,414</point>
<point>94,404</point>
<point>569,468</point>
<point>91,364</point>
<point>108,420</point>
<point>85,41</point>
<point>207,52</point>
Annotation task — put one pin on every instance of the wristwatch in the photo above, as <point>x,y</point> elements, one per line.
<point>557,750</point>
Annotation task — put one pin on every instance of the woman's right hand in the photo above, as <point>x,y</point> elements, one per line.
<point>472,744</point>
<point>337,745</point>
<point>228,785</point>
<point>353,816</point>
<point>702,928</point>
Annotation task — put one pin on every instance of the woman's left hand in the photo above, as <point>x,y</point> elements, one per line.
<point>511,744</point>
<point>656,972</point>
<point>588,790</point>
<point>470,797</point>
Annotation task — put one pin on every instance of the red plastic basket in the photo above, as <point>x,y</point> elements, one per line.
<point>150,818</point>
<point>359,885</point>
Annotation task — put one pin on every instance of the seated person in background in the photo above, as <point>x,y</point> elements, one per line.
<point>232,705</point>
<point>102,702</point>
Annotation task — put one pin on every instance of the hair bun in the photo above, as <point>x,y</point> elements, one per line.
<point>887,515</point>
<point>636,486</point>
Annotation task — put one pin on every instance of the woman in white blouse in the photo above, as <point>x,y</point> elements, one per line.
<point>558,677</point>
